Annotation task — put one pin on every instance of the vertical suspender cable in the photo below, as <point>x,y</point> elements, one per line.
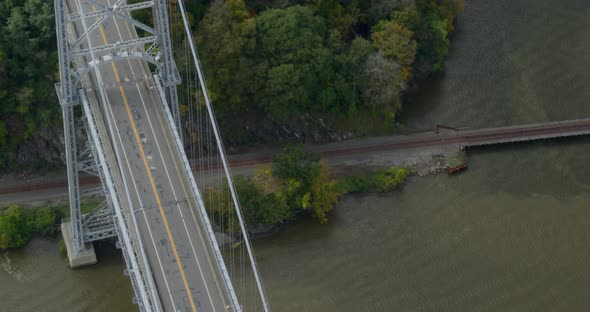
<point>223,158</point>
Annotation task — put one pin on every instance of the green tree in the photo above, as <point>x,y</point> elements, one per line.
<point>292,42</point>
<point>322,195</point>
<point>42,221</point>
<point>221,209</point>
<point>14,231</point>
<point>257,206</point>
<point>381,9</point>
<point>260,207</point>
<point>388,179</point>
<point>350,72</point>
<point>383,85</point>
<point>226,38</point>
<point>306,182</point>
<point>431,35</point>
<point>396,42</point>
<point>28,58</point>
<point>339,17</point>
<point>295,163</point>
<point>382,181</point>
<point>449,10</point>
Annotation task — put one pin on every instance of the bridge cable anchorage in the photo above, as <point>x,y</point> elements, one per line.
<point>222,157</point>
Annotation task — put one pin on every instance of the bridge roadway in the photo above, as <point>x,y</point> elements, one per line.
<point>181,257</point>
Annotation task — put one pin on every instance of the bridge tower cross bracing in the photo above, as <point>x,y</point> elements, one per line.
<point>168,71</point>
<point>155,47</point>
<point>68,98</point>
<point>77,58</point>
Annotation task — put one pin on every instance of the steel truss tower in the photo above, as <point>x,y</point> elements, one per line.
<point>76,22</point>
<point>79,59</point>
<point>74,63</point>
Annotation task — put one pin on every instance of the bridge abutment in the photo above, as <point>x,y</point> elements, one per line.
<point>82,258</point>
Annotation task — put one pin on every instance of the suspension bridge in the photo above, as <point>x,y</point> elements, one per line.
<point>120,87</point>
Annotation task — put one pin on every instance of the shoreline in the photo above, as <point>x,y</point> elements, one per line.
<point>51,189</point>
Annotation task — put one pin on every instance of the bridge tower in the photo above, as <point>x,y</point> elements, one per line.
<point>74,62</point>
<point>77,23</point>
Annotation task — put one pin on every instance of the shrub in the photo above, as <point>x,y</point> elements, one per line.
<point>18,225</point>
<point>305,181</point>
<point>261,208</point>
<point>14,231</point>
<point>380,181</point>
<point>389,179</point>
<point>354,184</point>
<point>43,221</point>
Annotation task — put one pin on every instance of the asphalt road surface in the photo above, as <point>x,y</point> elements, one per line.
<point>180,255</point>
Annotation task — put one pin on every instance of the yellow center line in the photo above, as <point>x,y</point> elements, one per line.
<point>149,173</point>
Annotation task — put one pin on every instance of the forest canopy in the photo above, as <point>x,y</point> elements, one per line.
<point>336,59</point>
<point>28,72</point>
<point>340,61</point>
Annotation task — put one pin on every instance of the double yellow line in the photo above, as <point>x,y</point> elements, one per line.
<point>151,179</point>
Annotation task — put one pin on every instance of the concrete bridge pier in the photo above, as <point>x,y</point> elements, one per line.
<point>82,258</point>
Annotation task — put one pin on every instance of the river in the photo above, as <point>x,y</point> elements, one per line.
<point>509,234</point>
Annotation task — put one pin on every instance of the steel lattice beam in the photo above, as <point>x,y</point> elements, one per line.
<point>67,98</point>
<point>122,8</point>
<point>74,63</point>
<point>169,72</point>
<point>140,42</point>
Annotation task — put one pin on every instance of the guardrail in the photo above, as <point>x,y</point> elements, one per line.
<point>197,195</point>
<point>136,274</point>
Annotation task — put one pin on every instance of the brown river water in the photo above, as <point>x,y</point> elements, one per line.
<point>509,234</point>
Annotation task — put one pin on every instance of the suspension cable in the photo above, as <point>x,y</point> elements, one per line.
<point>223,157</point>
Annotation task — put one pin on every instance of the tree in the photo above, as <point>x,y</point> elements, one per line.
<point>339,17</point>
<point>322,195</point>
<point>388,179</point>
<point>260,207</point>
<point>295,163</point>
<point>226,34</point>
<point>292,43</point>
<point>18,225</point>
<point>449,10</point>
<point>381,9</point>
<point>341,94</point>
<point>431,35</point>
<point>28,65</point>
<point>397,43</point>
<point>42,220</point>
<point>284,90</point>
<point>13,228</point>
<point>382,84</point>
<point>306,182</point>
